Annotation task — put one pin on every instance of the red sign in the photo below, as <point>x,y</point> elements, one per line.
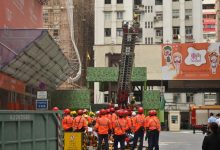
<point>21,14</point>
<point>11,84</point>
<point>191,61</point>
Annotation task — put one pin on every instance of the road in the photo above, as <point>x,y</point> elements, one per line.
<point>183,140</point>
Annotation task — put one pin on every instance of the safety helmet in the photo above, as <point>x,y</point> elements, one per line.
<point>150,112</point>
<point>73,112</point>
<point>55,109</point>
<point>140,110</point>
<point>154,112</point>
<point>80,112</point>
<point>121,113</point>
<point>108,111</point>
<point>97,113</point>
<point>112,110</point>
<point>133,113</point>
<point>126,112</point>
<point>102,112</point>
<point>66,111</point>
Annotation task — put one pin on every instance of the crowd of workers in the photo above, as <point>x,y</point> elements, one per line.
<point>116,125</point>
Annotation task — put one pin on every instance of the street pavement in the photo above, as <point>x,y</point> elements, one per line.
<point>183,140</point>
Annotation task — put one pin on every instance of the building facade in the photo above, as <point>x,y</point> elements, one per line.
<point>57,19</point>
<point>217,8</point>
<point>209,20</point>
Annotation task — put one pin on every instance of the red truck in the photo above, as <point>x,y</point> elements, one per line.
<point>199,116</point>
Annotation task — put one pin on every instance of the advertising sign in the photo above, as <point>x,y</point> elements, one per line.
<point>73,141</point>
<point>191,61</point>
<point>41,94</point>
<point>41,104</point>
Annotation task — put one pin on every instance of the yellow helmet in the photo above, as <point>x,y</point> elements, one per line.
<point>73,112</point>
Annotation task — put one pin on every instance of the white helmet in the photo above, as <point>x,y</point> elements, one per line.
<point>97,113</point>
<point>133,113</point>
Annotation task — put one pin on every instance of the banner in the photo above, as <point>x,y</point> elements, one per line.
<point>191,61</point>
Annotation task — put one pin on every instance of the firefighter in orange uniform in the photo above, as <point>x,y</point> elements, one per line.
<point>128,119</point>
<point>114,116</point>
<point>67,121</point>
<point>119,126</point>
<point>103,125</point>
<point>139,124</point>
<point>80,123</point>
<point>153,127</point>
<point>146,122</point>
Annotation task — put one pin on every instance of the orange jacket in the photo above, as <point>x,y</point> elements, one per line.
<point>146,120</point>
<point>67,122</point>
<point>153,123</point>
<point>139,121</point>
<point>120,125</point>
<point>114,117</point>
<point>103,124</point>
<point>109,116</point>
<point>128,119</point>
<point>79,122</point>
<point>132,124</point>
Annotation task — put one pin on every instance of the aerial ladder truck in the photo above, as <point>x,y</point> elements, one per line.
<point>130,33</point>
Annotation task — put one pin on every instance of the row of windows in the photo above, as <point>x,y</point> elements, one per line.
<point>149,40</point>
<point>149,24</point>
<point>149,9</point>
<point>109,2</point>
<point>159,32</point>
<point>108,15</point>
<point>176,13</point>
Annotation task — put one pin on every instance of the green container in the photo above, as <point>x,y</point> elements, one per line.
<point>28,130</point>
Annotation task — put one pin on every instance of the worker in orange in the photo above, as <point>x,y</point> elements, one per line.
<point>103,125</point>
<point>67,121</point>
<point>113,114</point>
<point>146,122</point>
<point>119,126</point>
<point>153,127</point>
<point>128,119</point>
<point>80,123</point>
<point>139,124</point>
<point>108,114</point>
<point>132,121</point>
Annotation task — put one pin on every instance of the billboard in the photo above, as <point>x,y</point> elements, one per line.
<point>21,14</point>
<point>191,61</point>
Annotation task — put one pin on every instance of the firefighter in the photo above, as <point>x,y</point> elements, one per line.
<point>128,119</point>
<point>67,121</point>
<point>114,116</point>
<point>119,126</point>
<point>139,128</point>
<point>153,127</point>
<point>103,125</point>
<point>146,122</point>
<point>79,123</point>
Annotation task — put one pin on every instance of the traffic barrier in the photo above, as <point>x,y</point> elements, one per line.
<point>28,130</point>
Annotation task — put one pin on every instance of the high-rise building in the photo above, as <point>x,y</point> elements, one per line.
<point>62,18</point>
<point>170,21</point>
<point>217,8</point>
<point>209,20</point>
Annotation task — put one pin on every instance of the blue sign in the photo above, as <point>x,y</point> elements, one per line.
<point>41,104</point>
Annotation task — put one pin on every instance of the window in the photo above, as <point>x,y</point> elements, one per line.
<point>208,6</point>
<point>45,16</point>
<point>175,0</point>
<point>176,32</point>
<point>107,1</point>
<point>151,40</point>
<point>210,96</point>
<point>119,32</point>
<point>55,32</point>
<point>148,25</point>
<point>151,8</point>
<point>148,40</point>
<point>107,32</point>
<point>188,30</point>
<point>159,32</point>
<point>189,97</point>
<point>120,15</point>
<point>145,24</point>
<point>108,16</point>
<point>175,13</point>
<point>119,1</point>
<point>188,0</point>
<point>158,2</point>
<point>148,9</point>
<point>188,14</point>
<point>176,97</point>
<point>151,24</point>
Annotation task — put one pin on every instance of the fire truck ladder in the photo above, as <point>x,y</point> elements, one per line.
<point>125,65</point>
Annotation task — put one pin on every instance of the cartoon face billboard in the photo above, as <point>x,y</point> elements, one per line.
<point>191,61</point>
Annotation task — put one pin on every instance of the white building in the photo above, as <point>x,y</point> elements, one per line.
<point>167,21</point>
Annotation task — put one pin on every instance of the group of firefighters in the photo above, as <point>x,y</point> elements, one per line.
<point>119,123</point>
